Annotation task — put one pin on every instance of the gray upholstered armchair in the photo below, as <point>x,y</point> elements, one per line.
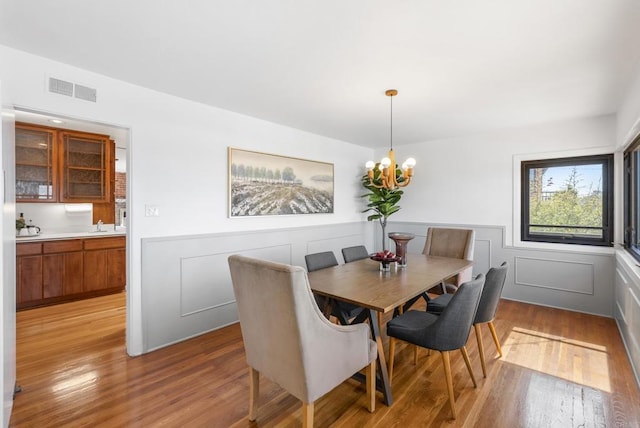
<point>288,340</point>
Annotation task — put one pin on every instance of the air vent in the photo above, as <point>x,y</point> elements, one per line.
<point>61,87</point>
<point>85,93</point>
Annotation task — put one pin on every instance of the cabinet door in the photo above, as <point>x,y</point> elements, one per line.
<point>116,268</point>
<point>36,172</point>
<point>62,274</point>
<point>29,279</point>
<point>85,168</point>
<point>52,275</point>
<point>95,270</point>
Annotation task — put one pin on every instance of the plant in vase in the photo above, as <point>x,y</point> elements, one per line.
<point>382,202</point>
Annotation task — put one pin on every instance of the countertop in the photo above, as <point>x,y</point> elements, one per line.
<point>44,236</point>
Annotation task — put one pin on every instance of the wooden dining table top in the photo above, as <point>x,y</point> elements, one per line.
<point>364,284</point>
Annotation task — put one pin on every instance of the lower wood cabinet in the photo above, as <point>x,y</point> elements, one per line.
<point>57,271</point>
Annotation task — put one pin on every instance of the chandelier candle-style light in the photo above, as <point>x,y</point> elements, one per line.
<point>390,176</point>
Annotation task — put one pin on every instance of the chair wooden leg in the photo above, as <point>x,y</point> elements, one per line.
<point>307,415</point>
<point>371,386</point>
<point>480,349</point>
<point>463,350</point>
<point>444,287</point>
<point>254,392</point>
<point>392,352</point>
<point>495,337</point>
<point>447,375</point>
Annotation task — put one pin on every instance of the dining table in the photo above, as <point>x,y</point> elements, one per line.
<point>380,292</point>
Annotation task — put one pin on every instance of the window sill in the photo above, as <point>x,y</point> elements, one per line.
<point>569,248</point>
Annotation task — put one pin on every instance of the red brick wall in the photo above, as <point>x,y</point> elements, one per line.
<point>121,185</point>
<point>120,194</point>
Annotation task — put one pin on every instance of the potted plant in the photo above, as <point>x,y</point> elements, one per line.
<point>382,202</point>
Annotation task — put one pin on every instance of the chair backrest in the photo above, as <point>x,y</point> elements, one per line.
<point>322,260</point>
<point>351,254</point>
<point>491,293</point>
<point>286,337</point>
<point>455,243</point>
<point>451,330</point>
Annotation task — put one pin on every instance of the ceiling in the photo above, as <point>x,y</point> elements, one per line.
<point>460,66</point>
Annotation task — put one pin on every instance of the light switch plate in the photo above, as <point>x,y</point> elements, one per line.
<point>151,211</point>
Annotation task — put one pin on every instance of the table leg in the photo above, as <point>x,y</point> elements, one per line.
<point>383,379</point>
<point>382,376</point>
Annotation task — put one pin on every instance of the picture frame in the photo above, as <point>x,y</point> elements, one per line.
<point>265,184</point>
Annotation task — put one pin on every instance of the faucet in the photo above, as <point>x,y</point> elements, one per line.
<point>99,226</point>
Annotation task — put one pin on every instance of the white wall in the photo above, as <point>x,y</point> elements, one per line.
<point>628,116</point>
<point>7,261</point>
<point>178,158</point>
<point>469,180</point>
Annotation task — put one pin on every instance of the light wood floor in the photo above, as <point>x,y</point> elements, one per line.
<point>559,369</point>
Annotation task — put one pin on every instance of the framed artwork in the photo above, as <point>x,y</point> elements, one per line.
<point>262,184</point>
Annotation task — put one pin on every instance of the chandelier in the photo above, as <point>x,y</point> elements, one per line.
<point>388,174</point>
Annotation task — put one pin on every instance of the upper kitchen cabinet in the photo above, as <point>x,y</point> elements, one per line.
<point>36,165</point>
<point>86,172</point>
<point>59,165</point>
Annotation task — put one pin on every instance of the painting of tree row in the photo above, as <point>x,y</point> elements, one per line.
<point>265,184</point>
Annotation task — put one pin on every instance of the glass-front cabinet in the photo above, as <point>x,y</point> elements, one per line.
<point>35,164</point>
<point>59,165</point>
<point>84,167</point>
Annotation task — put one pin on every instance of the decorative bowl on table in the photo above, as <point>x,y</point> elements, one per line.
<point>385,258</point>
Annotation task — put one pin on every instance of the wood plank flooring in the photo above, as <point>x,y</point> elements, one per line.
<point>559,369</point>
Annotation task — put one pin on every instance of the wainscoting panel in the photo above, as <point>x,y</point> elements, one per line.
<point>622,295</point>
<point>186,284</point>
<point>570,276</point>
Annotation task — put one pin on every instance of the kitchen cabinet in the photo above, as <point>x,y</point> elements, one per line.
<point>105,263</point>
<point>36,164</point>
<point>58,165</point>
<point>62,268</point>
<point>28,272</point>
<point>57,271</point>
<point>85,162</point>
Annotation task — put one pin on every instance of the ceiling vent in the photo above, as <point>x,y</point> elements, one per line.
<point>61,87</point>
<point>85,93</point>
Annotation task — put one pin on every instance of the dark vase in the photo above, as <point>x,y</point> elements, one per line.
<point>401,240</point>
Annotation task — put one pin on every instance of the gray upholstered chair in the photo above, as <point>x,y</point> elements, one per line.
<point>351,254</point>
<point>343,311</point>
<point>444,333</point>
<point>455,243</point>
<point>289,341</point>
<point>444,242</point>
<point>486,309</point>
<point>321,260</point>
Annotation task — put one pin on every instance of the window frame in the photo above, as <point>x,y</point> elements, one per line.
<point>631,197</point>
<point>607,162</point>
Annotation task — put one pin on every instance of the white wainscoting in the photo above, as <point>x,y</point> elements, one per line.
<point>627,306</point>
<point>186,285</point>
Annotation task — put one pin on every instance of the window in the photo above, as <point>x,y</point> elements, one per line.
<point>568,200</point>
<point>632,198</point>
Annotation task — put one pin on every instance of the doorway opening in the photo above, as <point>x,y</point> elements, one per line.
<point>59,220</point>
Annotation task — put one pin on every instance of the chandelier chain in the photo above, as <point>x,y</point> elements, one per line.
<point>391,127</point>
